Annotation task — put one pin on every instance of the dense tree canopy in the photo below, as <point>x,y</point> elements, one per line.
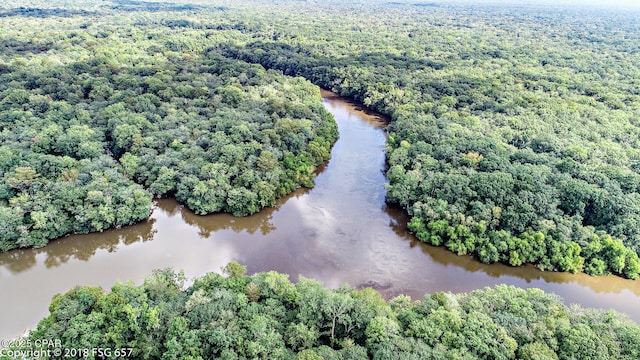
<point>514,135</point>
<point>266,316</point>
<point>98,115</point>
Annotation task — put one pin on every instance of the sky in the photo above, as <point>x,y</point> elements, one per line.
<point>606,3</point>
<point>634,4</point>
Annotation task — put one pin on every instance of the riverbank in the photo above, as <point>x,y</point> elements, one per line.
<point>341,231</point>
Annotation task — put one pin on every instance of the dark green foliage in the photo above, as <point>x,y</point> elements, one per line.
<point>87,141</point>
<point>513,137</point>
<point>214,318</point>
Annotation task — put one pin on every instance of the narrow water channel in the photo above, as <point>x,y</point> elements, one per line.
<point>340,231</point>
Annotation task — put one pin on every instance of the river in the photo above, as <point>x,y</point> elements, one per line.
<point>339,231</point>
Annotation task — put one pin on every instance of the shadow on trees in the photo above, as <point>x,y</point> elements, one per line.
<point>152,6</point>
<point>18,47</point>
<point>43,13</point>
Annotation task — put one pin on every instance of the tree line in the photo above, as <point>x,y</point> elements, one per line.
<point>266,316</point>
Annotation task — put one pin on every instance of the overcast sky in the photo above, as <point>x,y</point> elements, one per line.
<point>625,3</point>
<point>599,3</point>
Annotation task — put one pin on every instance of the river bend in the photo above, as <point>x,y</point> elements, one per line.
<point>339,231</point>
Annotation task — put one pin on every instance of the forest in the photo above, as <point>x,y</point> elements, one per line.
<point>97,120</point>
<point>514,133</point>
<point>513,137</point>
<point>265,316</point>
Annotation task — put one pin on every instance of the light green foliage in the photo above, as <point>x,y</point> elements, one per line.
<point>214,319</point>
<point>234,270</point>
<point>308,355</point>
<point>536,351</point>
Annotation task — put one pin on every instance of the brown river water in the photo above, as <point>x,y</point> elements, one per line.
<point>340,231</point>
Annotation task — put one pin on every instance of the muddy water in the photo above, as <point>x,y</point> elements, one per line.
<point>340,231</point>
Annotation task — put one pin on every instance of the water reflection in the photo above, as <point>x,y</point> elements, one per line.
<point>340,231</point>
<point>208,225</point>
<point>81,247</point>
